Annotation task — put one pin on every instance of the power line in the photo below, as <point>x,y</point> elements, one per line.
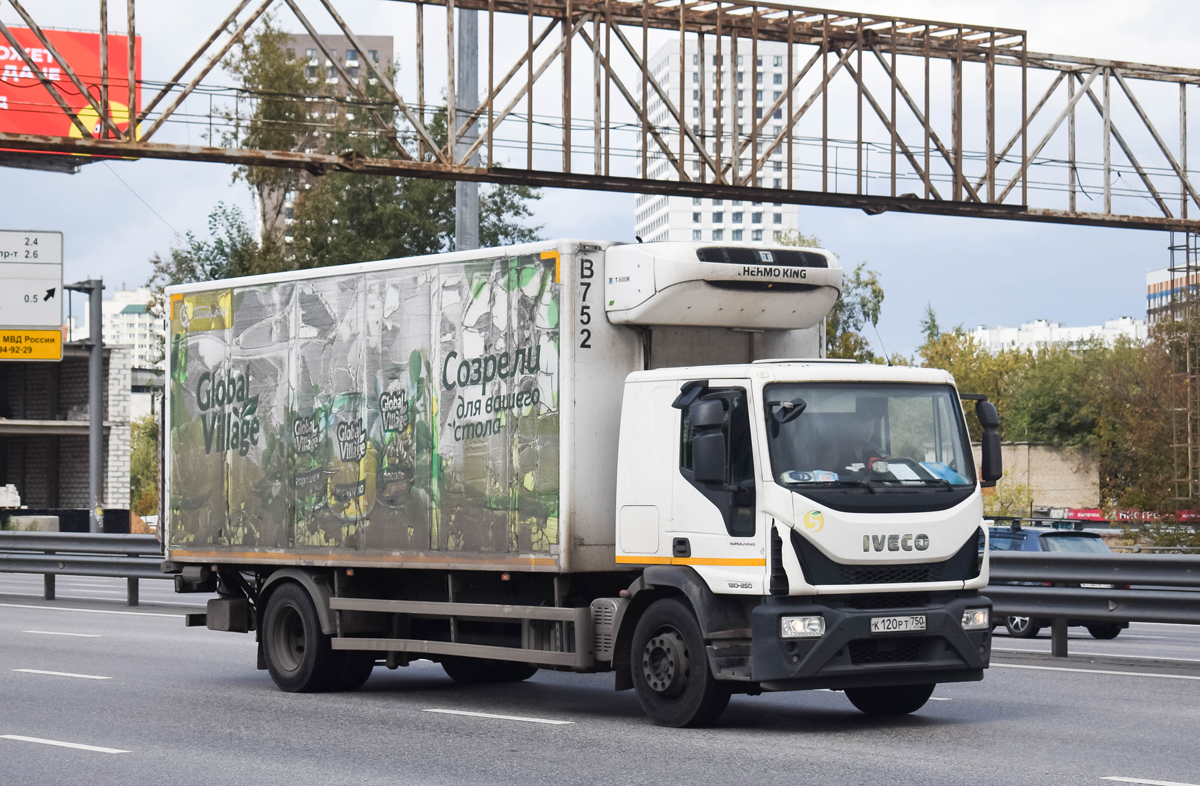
<point>144,202</point>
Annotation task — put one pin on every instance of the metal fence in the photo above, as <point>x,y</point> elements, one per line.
<point>131,557</point>
<point>1124,588</point>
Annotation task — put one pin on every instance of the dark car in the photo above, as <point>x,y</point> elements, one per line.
<point>1063,541</point>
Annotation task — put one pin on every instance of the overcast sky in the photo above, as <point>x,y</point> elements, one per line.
<point>973,271</point>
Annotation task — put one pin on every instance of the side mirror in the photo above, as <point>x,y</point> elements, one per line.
<point>990,459</point>
<point>787,411</point>
<point>709,462</point>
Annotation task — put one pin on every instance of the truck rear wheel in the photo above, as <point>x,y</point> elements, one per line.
<point>670,668</point>
<point>299,656</point>
<point>890,700</point>
<point>476,670</point>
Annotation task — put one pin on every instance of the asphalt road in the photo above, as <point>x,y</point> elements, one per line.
<point>187,706</point>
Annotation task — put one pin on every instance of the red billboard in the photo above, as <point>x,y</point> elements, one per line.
<point>26,105</point>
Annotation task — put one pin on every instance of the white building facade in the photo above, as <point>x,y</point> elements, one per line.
<point>129,321</point>
<point>1042,333</point>
<point>748,88</point>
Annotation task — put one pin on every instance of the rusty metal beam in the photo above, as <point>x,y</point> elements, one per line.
<point>323,163</point>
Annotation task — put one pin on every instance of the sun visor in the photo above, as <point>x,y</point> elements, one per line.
<point>734,286</point>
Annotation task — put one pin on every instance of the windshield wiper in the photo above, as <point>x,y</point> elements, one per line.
<point>863,483</point>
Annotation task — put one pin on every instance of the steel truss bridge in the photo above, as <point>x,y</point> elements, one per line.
<point>877,113</point>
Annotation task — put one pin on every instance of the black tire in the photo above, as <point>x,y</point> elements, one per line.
<point>890,700</point>
<point>1104,630</point>
<point>356,670</point>
<point>476,670</point>
<point>299,656</point>
<point>670,668</point>
<point>1022,627</point>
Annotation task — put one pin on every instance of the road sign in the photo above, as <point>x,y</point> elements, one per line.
<point>31,272</point>
<point>30,344</point>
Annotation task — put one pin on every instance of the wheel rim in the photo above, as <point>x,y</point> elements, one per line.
<point>288,639</point>
<point>665,664</point>
<point>1018,624</point>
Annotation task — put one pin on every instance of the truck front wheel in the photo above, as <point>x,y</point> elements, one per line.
<point>890,700</point>
<point>670,668</point>
<point>299,656</point>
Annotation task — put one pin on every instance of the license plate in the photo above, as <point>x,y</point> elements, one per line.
<point>1096,586</point>
<point>897,624</point>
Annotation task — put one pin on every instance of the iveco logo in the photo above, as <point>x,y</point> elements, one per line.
<point>895,542</point>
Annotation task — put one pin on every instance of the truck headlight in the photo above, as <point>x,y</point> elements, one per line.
<point>976,619</point>
<point>802,627</point>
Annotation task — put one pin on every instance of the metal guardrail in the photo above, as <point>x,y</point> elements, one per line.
<point>131,557</point>
<point>1047,585</point>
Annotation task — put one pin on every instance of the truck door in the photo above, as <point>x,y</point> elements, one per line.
<point>715,525</point>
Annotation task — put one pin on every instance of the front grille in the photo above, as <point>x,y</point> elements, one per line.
<point>899,650</point>
<point>737,255</point>
<point>887,600</point>
<point>820,569</point>
<point>885,574</point>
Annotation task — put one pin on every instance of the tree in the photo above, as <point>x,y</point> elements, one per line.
<point>143,466</point>
<point>929,324</point>
<point>861,302</point>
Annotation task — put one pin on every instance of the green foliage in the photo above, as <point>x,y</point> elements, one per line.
<point>143,466</point>
<point>1112,402</point>
<point>860,303</point>
<point>339,217</point>
<point>1008,500</point>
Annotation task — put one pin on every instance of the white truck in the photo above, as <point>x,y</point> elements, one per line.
<point>578,456</point>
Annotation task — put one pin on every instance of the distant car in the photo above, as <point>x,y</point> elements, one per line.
<point>1063,541</point>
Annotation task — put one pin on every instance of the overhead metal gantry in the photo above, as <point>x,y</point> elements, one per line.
<point>877,113</point>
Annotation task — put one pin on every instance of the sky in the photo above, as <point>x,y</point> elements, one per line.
<point>115,216</point>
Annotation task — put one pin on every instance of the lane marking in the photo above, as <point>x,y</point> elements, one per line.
<point>504,717</point>
<point>59,743</point>
<point>1101,654</point>
<point>1095,671</point>
<point>1146,782</point>
<point>89,611</point>
<point>61,633</point>
<point>62,674</point>
<point>938,698</point>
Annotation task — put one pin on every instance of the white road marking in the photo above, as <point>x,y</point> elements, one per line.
<point>89,611</point>
<point>504,717</point>
<point>62,674</point>
<point>938,698</point>
<point>76,745</point>
<point>1100,654</point>
<point>1095,671</point>
<point>61,633</point>
<point>1146,782</point>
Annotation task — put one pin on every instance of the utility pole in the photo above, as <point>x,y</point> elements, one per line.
<point>94,288</point>
<point>466,195</point>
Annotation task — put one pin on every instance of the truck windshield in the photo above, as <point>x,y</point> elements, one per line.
<point>869,435</point>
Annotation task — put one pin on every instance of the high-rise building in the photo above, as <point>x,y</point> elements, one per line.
<point>748,89</point>
<point>1159,289</point>
<point>129,321</point>
<point>322,73</point>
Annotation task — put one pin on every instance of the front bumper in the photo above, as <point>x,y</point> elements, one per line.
<point>850,656</point>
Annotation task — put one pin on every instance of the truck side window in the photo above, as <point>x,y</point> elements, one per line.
<point>736,500</point>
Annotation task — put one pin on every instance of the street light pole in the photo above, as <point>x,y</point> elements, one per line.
<point>466,195</point>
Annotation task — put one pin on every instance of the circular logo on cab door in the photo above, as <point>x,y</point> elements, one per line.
<point>814,521</point>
